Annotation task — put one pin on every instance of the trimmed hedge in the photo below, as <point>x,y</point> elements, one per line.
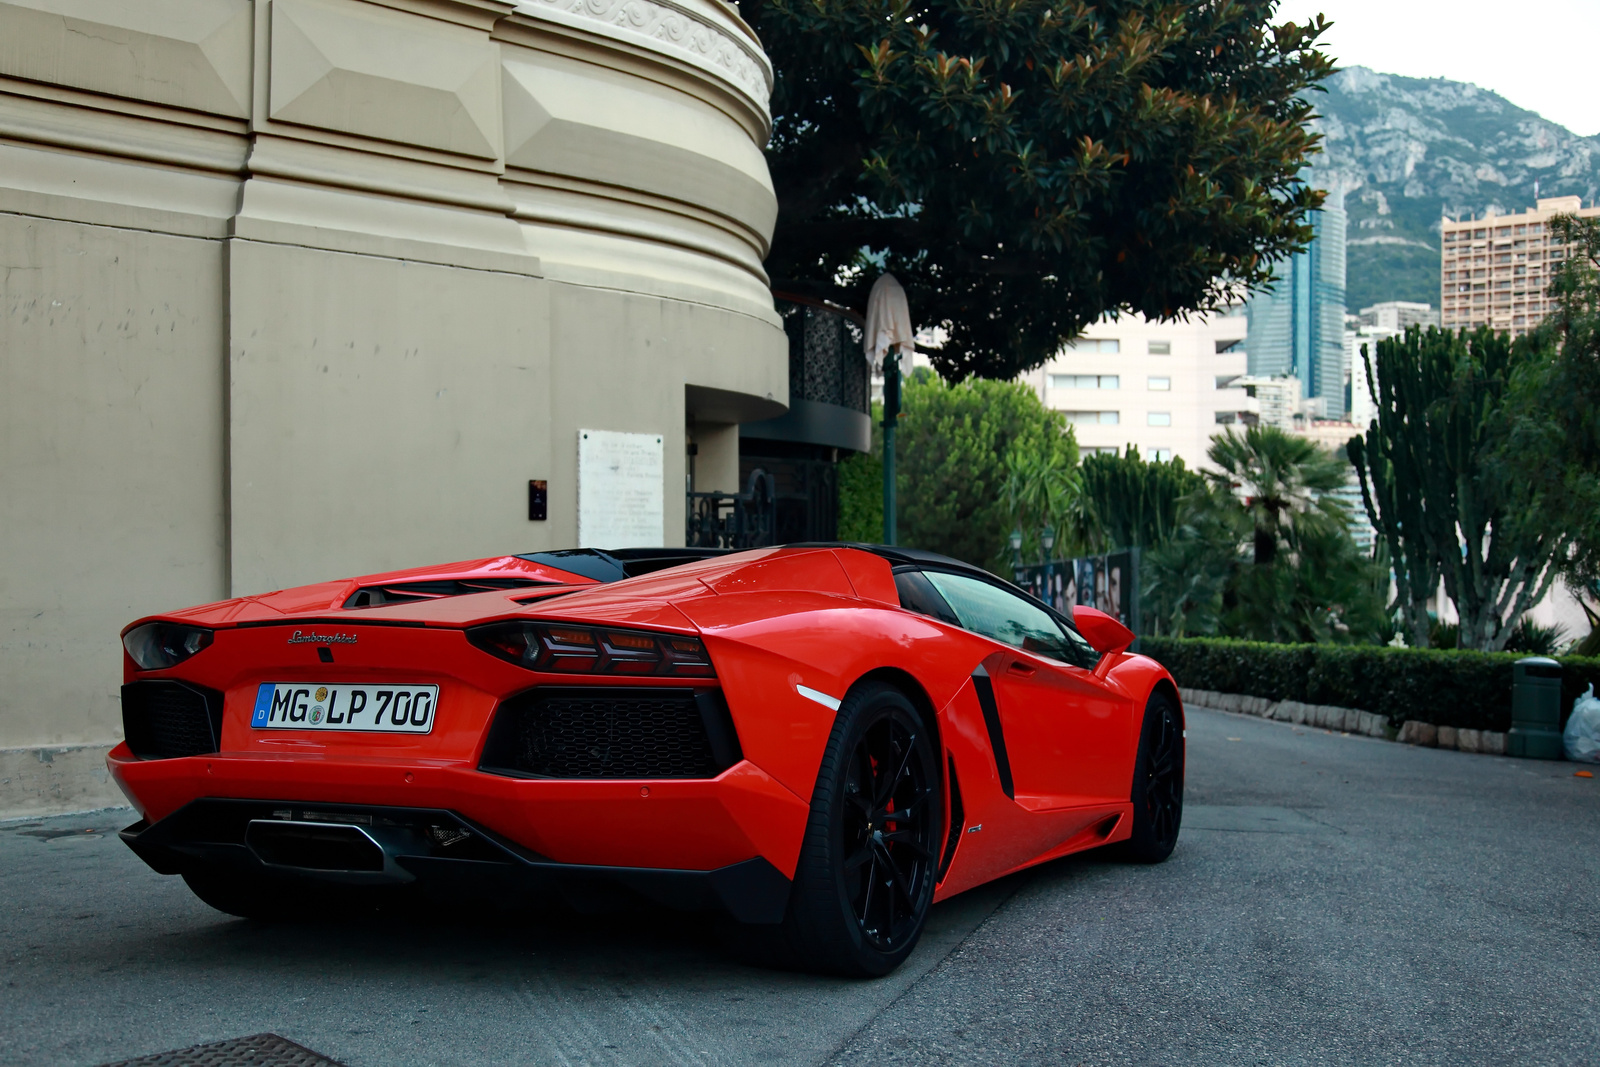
<point>1447,688</point>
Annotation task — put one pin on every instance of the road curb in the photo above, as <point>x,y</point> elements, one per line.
<point>1351,721</point>
<point>56,780</point>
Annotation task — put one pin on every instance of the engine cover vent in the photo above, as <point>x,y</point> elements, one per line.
<point>372,596</point>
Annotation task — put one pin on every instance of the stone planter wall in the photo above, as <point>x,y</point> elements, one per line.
<point>1350,720</point>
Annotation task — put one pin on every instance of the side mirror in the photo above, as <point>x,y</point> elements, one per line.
<point>1104,633</point>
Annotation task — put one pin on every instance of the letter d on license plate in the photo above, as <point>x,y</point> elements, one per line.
<point>390,709</point>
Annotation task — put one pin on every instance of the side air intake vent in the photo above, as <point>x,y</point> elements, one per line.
<point>372,596</point>
<point>605,732</point>
<point>165,720</point>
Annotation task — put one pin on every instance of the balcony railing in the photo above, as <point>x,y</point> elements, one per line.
<point>734,520</point>
<point>826,364</point>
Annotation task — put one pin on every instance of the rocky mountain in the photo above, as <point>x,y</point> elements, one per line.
<point>1404,151</point>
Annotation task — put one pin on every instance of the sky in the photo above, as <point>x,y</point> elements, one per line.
<point>1539,55</point>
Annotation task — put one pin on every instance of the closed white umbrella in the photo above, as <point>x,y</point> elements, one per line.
<point>889,324</point>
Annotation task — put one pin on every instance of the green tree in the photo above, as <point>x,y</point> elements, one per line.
<point>1025,166</point>
<point>1322,589</point>
<point>1555,440</point>
<point>1285,482</point>
<point>1263,551</point>
<point>1438,494</point>
<point>1132,501</point>
<point>953,458</point>
<point>1043,490</point>
<point>1186,577</point>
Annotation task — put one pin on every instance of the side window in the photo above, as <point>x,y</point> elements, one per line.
<point>918,594</point>
<point>991,611</point>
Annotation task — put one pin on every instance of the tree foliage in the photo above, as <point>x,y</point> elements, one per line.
<point>861,490</point>
<point>1131,501</point>
<point>1187,576</point>
<point>1026,166</point>
<point>1285,482</point>
<point>1437,494</point>
<point>1043,491</point>
<point>1263,551</point>
<point>1555,442</point>
<point>954,453</point>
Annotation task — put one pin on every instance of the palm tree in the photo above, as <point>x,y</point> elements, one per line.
<point>1285,481</point>
<point>1046,490</point>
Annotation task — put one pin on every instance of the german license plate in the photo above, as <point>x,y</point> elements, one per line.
<point>394,709</point>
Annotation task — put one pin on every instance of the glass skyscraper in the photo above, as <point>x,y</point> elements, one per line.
<point>1297,328</point>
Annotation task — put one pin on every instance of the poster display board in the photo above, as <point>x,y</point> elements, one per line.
<point>621,490</point>
<point>1109,582</point>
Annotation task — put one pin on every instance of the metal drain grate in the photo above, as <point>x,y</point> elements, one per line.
<point>258,1050</point>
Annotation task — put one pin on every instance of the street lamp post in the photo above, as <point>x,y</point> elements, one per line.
<point>1016,555</point>
<point>891,412</point>
<point>1047,540</point>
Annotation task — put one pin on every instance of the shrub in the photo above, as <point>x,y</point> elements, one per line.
<point>1445,687</point>
<point>861,498</point>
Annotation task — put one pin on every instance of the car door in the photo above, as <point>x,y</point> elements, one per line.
<point>1066,733</point>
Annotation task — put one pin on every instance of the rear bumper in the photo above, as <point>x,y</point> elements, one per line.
<point>698,825</point>
<point>431,848</point>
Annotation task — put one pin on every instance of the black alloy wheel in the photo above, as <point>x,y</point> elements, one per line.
<point>1157,784</point>
<point>889,853</point>
<point>869,860</point>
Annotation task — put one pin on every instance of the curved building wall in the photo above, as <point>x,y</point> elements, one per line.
<point>296,289</point>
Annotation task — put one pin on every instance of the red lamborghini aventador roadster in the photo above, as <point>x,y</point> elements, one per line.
<point>817,740</point>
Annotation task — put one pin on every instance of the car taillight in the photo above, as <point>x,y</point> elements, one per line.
<point>158,645</point>
<point>561,649</point>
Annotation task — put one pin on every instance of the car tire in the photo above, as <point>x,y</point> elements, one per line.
<point>865,879</point>
<point>1157,792</point>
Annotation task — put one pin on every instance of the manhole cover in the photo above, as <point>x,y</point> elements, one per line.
<point>259,1050</point>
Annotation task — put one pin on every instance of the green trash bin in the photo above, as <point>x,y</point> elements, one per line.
<point>1535,709</point>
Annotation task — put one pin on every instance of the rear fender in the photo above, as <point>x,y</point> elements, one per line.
<point>784,674</point>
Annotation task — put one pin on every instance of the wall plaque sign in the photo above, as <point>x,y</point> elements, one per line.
<point>621,490</point>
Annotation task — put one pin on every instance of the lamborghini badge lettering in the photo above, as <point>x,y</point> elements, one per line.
<point>302,637</point>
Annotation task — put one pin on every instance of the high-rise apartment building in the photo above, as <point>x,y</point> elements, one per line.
<point>1270,402</point>
<point>1297,328</point>
<point>1363,408</point>
<point>1398,315</point>
<point>1163,387</point>
<point>1494,271</point>
<point>1388,319</point>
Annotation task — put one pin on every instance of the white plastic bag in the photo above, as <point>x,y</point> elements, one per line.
<point>1582,736</point>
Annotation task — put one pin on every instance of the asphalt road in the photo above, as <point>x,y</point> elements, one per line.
<point>1332,900</point>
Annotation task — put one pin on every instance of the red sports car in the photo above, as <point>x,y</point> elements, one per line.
<point>817,740</point>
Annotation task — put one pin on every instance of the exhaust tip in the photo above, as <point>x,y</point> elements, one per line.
<point>313,846</point>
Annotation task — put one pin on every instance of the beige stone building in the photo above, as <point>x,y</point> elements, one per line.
<point>296,289</point>
<point>1495,270</point>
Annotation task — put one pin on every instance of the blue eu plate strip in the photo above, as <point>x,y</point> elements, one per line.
<point>263,704</point>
